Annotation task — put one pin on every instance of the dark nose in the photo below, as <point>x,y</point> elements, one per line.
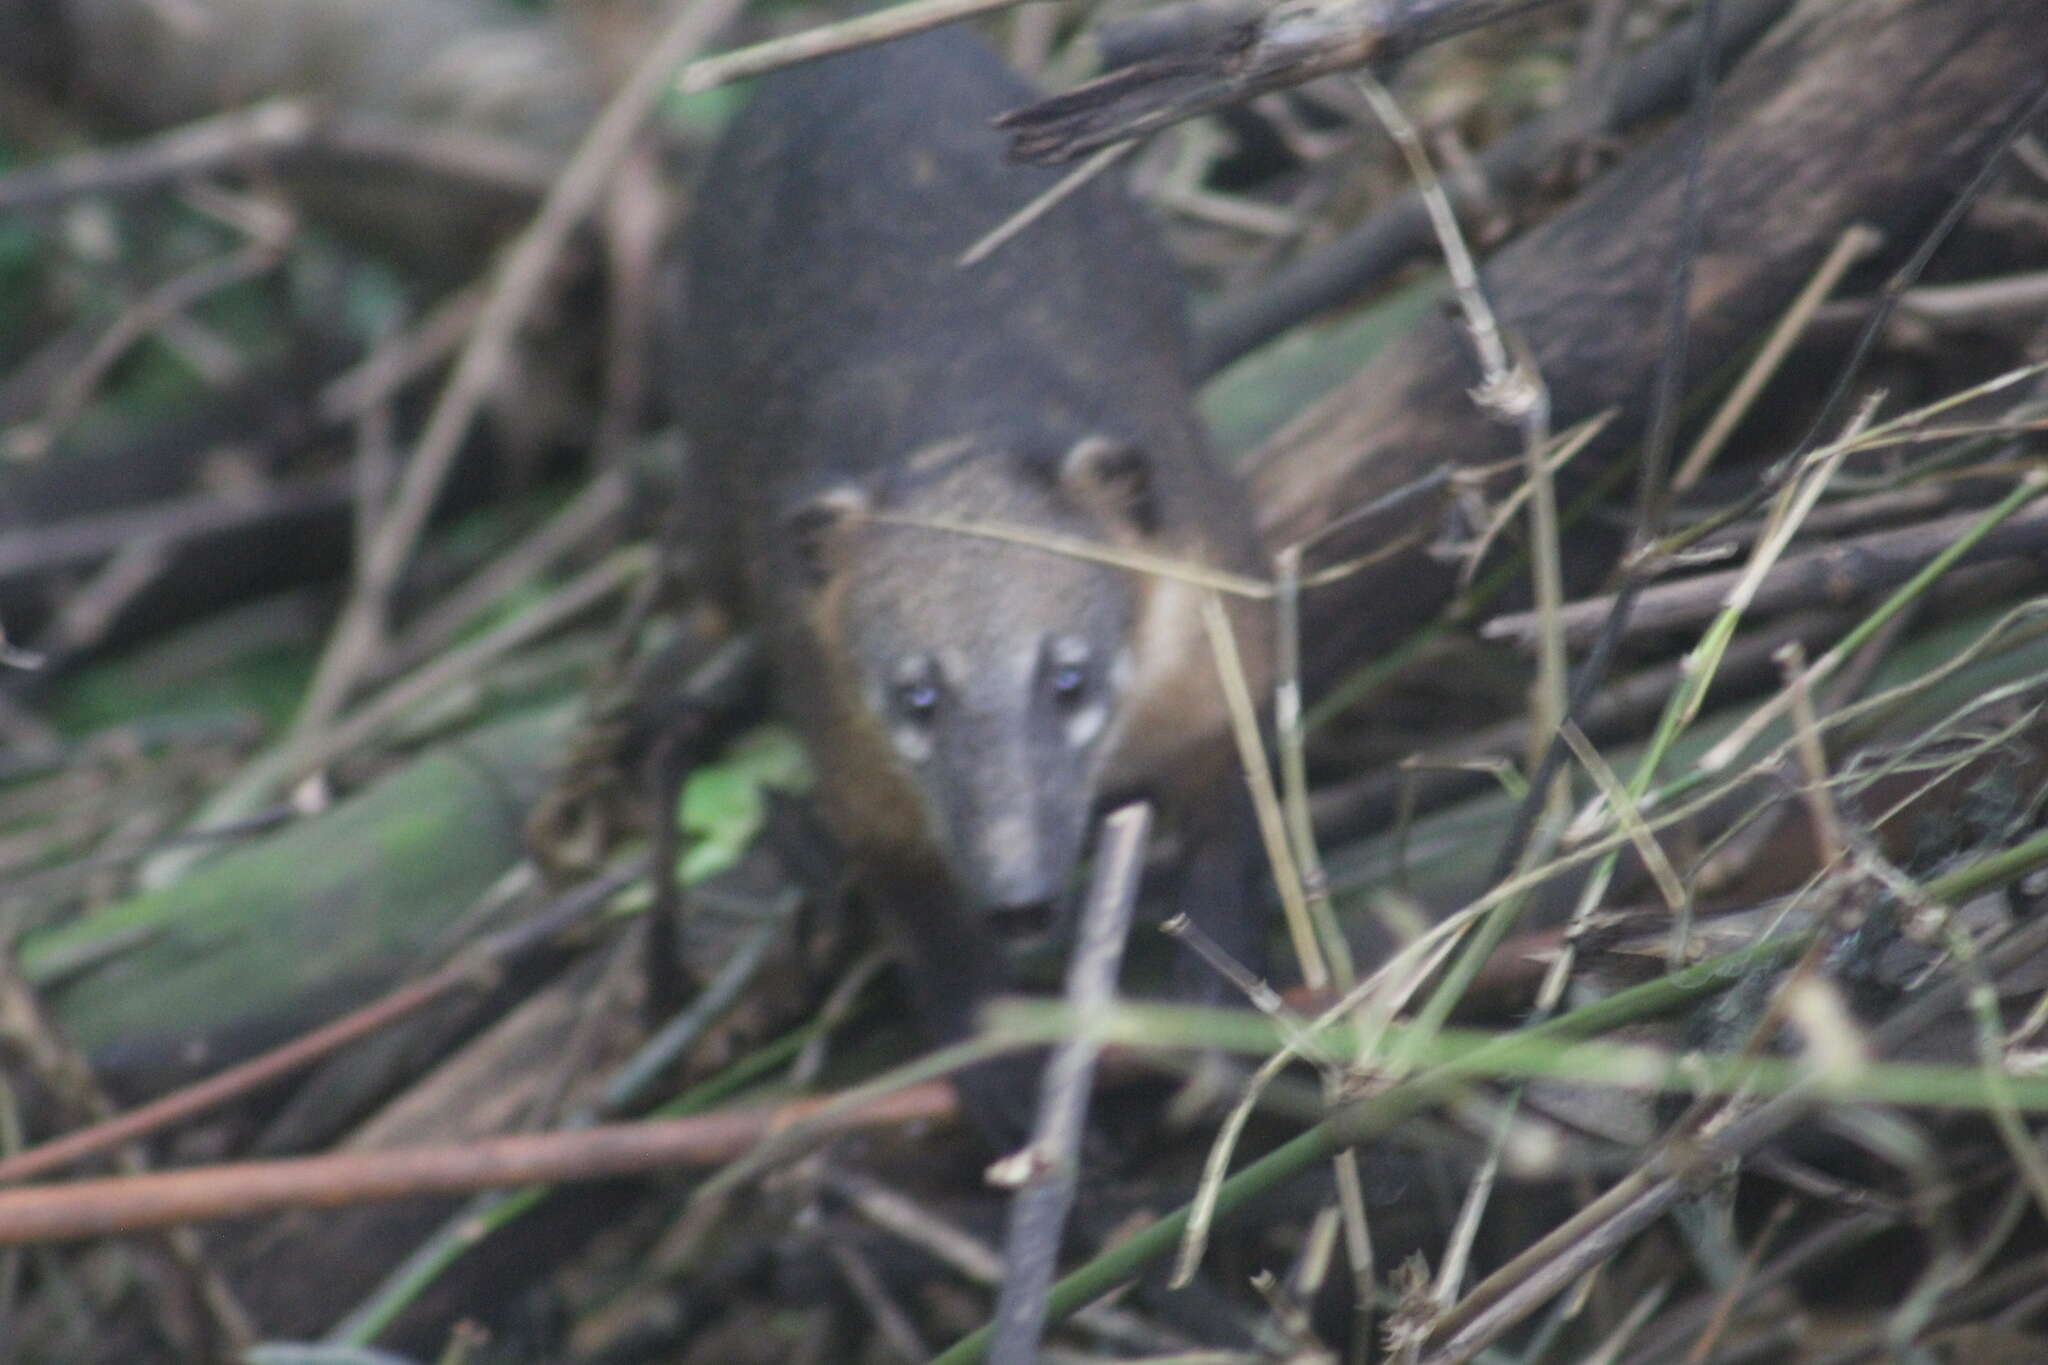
<point>1017,831</point>
<point>1016,868</point>
<point>1022,881</point>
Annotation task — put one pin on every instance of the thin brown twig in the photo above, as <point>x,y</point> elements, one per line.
<point>589,588</point>
<point>897,21</point>
<point>1738,1285</point>
<point>401,358</point>
<point>145,315</point>
<point>475,969</point>
<point>1817,578</point>
<point>102,1208</point>
<point>890,1319</point>
<point>599,503</point>
<point>1857,241</point>
<point>80,540</point>
<point>273,131</point>
<point>1831,844</point>
<point>1048,1170</point>
<point>359,635</point>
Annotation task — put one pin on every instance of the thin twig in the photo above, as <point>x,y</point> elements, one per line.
<point>1044,203</point>
<point>603,580</point>
<point>279,130</point>
<point>600,501</point>
<point>1857,241</point>
<point>1857,565</point>
<point>1049,1168</point>
<point>1730,748</point>
<point>897,21</point>
<point>360,632</point>
<point>475,969</point>
<point>147,314</point>
<point>100,1208</point>
<point>1244,728</point>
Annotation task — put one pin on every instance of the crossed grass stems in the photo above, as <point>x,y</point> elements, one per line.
<point>1399,1069</point>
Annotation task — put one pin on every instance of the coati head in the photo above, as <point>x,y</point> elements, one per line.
<point>991,674</point>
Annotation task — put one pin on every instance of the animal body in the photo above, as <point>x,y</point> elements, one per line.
<point>852,396</point>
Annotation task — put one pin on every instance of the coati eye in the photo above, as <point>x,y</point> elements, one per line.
<point>1069,684</point>
<point>1069,680</point>
<point>918,700</point>
<point>914,691</point>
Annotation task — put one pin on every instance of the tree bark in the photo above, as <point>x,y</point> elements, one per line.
<point>1876,111</point>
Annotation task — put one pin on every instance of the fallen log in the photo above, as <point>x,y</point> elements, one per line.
<point>1875,112</point>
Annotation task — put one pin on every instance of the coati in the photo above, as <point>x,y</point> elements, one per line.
<point>969,703</point>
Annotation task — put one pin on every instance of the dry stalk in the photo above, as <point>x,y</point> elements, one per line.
<point>1628,815</point>
<point>1244,728</point>
<point>266,132</point>
<point>1374,1001</point>
<point>102,1207</point>
<point>1047,1171</point>
<point>1725,752</point>
<point>360,635</point>
<point>594,585</point>
<point>595,507</point>
<point>897,21</point>
<point>474,968</point>
<point>1856,242</point>
<point>1024,217</point>
<point>1138,561</point>
<point>1831,844</point>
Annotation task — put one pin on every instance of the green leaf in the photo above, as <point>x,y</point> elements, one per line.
<point>724,805</point>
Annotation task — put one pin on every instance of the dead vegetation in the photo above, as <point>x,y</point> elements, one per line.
<point>1657,797</point>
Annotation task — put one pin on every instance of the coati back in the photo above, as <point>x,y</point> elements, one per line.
<point>969,702</point>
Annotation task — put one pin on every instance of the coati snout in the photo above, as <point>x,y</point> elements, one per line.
<point>994,673</point>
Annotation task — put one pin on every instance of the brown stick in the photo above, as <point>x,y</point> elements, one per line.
<point>236,1081</point>
<point>68,544</point>
<point>1508,175</point>
<point>477,968</point>
<point>281,130</point>
<point>1283,47</point>
<point>355,645</point>
<point>1827,577</point>
<point>100,1208</point>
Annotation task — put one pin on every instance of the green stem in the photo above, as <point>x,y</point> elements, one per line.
<point>1370,1117</point>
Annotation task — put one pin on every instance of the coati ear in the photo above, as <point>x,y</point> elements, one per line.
<point>1113,479</point>
<point>817,529</point>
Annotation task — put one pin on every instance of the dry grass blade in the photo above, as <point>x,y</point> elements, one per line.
<point>1726,752</point>
<point>897,21</point>
<point>1854,244</point>
<point>1629,816</point>
<point>1139,561</point>
<point>1244,727</point>
<point>1374,1002</point>
<point>1562,448</point>
<point>1043,204</point>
